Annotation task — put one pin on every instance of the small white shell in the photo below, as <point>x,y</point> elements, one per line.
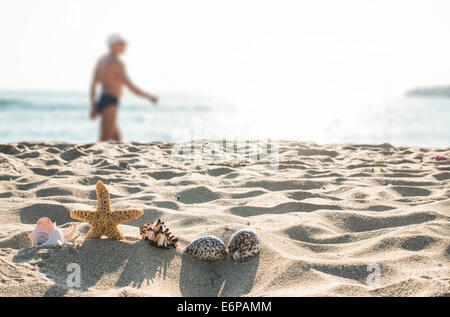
<point>207,248</point>
<point>47,233</point>
<point>40,238</point>
<point>243,245</point>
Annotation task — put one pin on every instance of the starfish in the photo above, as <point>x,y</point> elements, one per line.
<point>104,220</point>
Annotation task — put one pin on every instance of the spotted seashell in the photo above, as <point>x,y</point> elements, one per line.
<point>243,245</point>
<point>158,235</point>
<point>207,248</point>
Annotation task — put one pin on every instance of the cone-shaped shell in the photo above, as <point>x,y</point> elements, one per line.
<point>46,233</point>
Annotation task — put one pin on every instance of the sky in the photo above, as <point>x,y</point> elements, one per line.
<point>243,52</point>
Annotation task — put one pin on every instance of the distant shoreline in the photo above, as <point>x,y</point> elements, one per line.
<point>436,91</point>
<point>64,116</point>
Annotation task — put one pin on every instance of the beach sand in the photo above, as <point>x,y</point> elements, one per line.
<point>334,220</point>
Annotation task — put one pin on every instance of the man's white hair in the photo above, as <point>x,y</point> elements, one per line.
<point>115,38</point>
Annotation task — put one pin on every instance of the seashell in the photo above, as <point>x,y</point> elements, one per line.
<point>207,248</point>
<point>47,233</point>
<point>40,238</point>
<point>243,245</point>
<point>158,235</point>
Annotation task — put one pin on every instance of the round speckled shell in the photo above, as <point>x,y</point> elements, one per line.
<point>243,245</point>
<point>207,248</point>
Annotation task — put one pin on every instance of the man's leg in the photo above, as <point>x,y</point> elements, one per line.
<point>116,133</point>
<point>109,117</point>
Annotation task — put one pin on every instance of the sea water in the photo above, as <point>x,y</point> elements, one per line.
<point>64,116</point>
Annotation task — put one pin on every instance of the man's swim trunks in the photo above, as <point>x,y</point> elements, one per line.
<point>106,100</point>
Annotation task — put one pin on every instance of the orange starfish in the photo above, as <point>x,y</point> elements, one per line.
<point>104,220</point>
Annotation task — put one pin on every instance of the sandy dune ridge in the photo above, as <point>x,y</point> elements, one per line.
<point>328,217</point>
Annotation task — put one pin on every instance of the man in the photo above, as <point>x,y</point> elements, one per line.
<point>111,74</point>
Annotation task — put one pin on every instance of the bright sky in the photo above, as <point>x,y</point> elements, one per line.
<point>244,51</point>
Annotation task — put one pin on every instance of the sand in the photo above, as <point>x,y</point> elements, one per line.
<point>334,220</point>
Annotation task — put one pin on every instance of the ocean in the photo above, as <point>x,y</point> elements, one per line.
<point>64,116</point>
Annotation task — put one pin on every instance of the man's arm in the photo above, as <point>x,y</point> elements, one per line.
<point>134,88</point>
<point>94,82</point>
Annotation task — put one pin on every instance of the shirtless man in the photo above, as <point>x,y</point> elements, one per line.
<point>111,74</point>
